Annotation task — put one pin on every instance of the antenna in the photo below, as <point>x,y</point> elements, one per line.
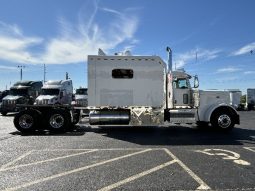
<point>44,73</point>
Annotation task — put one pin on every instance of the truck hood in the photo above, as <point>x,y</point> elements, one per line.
<point>48,97</point>
<point>11,97</point>
<point>79,97</point>
<point>209,97</point>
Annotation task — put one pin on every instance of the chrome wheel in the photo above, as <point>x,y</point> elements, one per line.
<point>26,121</point>
<point>224,121</point>
<point>57,121</point>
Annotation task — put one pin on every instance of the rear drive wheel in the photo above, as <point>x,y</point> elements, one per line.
<point>58,121</point>
<point>222,120</point>
<point>27,121</point>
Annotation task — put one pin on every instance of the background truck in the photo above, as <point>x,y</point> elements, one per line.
<point>250,99</point>
<point>22,92</point>
<point>81,97</point>
<point>136,91</point>
<point>56,92</point>
<point>3,94</point>
<point>235,98</point>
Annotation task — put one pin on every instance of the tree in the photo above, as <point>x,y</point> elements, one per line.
<point>243,99</point>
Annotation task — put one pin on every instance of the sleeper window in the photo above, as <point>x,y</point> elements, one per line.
<point>122,73</point>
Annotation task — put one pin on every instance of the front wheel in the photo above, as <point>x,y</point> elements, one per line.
<point>222,120</point>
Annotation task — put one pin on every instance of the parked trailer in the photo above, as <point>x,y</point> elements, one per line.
<point>250,98</point>
<point>136,91</point>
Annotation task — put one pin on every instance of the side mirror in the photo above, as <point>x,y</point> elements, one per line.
<point>196,81</point>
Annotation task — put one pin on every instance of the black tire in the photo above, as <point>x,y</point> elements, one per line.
<point>76,117</point>
<point>27,121</point>
<point>222,120</point>
<point>4,113</point>
<point>58,121</point>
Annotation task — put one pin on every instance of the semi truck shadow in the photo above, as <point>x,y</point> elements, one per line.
<point>174,135</point>
<point>75,132</point>
<point>179,135</point>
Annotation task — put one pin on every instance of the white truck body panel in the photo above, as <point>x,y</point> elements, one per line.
<point>145,88</point>
<point>210,100</point>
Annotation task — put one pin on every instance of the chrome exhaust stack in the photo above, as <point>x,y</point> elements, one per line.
<point>169,67</point>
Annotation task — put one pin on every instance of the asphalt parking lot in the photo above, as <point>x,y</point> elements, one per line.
<point>124,158</point>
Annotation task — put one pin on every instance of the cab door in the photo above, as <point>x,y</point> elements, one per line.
<point>182,93</point>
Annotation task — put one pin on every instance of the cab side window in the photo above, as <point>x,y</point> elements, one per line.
<point>180,84</point>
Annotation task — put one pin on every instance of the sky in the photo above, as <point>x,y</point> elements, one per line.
<point>213,39</point>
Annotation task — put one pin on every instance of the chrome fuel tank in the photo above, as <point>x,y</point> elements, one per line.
<point>109,117</point>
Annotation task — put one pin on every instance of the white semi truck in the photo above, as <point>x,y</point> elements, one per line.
<point>56,92</point>
<point>23,93</point>
<point>136,91</point>
<point>81,97</point>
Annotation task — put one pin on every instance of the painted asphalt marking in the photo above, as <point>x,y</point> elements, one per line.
<point>203,185</point>
<point>43,161</point>
<point>74,171</point>
<point>226,155</point>
<point>129,179</point>
<point>252,149</point>
<point>3,167</point>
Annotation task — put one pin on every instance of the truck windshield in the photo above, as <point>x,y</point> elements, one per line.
<point>50,91</point>
<point>19,92</point>
<point>82,92</point>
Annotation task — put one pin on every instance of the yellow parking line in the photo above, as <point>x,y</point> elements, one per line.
<point>48,160</point>
<point>203,185</point>
<point>129,179</point>
<point>74,171</point>
<point>3,167</point>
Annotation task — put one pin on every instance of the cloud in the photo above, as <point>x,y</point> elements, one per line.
<point>249,72</point>
<point>198,54</point>
<point>8,68</point>
<point>244,50</point>
<point>14,46</point>
<point>74,41</point>
<point>227,79</point>
<point>228,70</point>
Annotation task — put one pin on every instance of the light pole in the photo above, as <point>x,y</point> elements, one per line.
<point>44,73</point>
<point>20,66</point>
